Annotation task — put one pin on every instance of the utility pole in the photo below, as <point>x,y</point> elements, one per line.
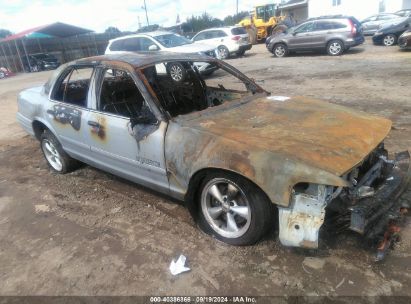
<point>237,7</point>
<point>145,8</point>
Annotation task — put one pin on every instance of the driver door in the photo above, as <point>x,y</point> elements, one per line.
<point>302,37</point>
<point>119,142</point>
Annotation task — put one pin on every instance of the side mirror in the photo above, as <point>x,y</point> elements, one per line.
<point>294,33</point>
<point>143,125</point>
<point>153,47</point>
<point>145,118</point>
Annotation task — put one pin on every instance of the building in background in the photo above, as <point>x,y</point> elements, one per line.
<point>361,9</point>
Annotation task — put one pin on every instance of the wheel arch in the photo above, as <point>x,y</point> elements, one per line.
<point>39,126</point>
<point>334,39</point>
<point>196,180</point>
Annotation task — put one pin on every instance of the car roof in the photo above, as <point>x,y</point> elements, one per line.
<point>150,34</point>
<point>139,60</point>
<point>330,17</point>
<point>220,28</point>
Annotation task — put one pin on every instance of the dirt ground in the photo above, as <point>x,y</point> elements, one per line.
<point>90,233</point>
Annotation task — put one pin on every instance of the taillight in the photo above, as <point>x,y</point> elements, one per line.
<point>236,38</point>
<point>353,28</point>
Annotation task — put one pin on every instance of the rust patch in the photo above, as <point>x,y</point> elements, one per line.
<point>242,163</point>
<point>99,131</point>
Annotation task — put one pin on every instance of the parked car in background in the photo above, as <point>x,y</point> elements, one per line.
<point>405,40</point>
<point>372,24</point>
<point>333,34</point>
<point>227,40</point>
<point>4,72</point>
<point>404,12</point>
<point>241,158</point>
<point>389,32</point>
<point>165,41</point>
<point>40,62</point>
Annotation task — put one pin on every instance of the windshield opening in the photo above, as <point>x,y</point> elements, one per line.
<point>172,40</point>
<point>185,87</point>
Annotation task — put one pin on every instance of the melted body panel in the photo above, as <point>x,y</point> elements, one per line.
<point>276,144</point>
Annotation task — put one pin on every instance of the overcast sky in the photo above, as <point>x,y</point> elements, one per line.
<point>97,15</point>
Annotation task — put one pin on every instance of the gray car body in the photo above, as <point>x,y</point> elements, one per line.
<point>297,40</point>
<point>373,23</point>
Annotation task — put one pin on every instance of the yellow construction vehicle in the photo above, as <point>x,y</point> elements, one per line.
<point>261,22</point>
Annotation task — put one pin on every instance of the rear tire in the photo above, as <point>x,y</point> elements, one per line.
<point>176,71</point>
<point>57,159</point>
<point>280,50</point>
<point>335,48</point>
<point>241,215</point>
<point>240,53</point>
<point>389,40</point>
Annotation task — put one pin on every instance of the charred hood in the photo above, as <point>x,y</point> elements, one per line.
<point>320,134</point>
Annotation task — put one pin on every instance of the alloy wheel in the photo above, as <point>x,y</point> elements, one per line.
<point>389,40</point>
<point>279,51</point>
<point>223,52</point>
<point>335,48</point>
<point>52,155</point>
<point>176,73</point>
<point>226,208</point>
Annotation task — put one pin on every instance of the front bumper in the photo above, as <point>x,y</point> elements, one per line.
<point>404,42</point>
<point>372,215</point>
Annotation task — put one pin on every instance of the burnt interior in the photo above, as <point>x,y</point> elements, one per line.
<point>191,95</point>
<point>119,94</point>
<point>74,92</point>
<point>72,86</point>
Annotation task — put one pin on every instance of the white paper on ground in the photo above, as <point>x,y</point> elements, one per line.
<point>177,267</point>
<point>278,98</point>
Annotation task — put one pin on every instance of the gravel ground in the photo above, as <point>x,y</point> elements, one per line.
<point>90,233</point>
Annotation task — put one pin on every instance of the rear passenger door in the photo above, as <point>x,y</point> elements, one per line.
<point>321,31</point>
<point>67,109</point>
<point>119,142</point>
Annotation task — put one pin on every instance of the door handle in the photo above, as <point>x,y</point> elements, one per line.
<point>94,124</point>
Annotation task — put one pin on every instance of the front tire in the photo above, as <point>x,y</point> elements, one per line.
<point>233,209</point>
<point>56,158</point>
<point>280,50</point>
<point>335,48</point>
<point>223,52</point>
<point>389,40</point>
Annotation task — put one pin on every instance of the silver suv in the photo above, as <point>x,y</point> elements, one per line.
<point>333,34</point>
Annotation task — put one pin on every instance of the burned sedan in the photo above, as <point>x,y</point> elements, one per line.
<point>241,158</point>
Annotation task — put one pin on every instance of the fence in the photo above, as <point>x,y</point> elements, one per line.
<point>13,53</point>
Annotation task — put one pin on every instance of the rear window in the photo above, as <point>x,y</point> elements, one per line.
<point>238,31</point>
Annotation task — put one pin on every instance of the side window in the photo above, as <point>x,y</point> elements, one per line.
<point>138,44</point>
<point>322,26</point>
<point>384,17</point>
<point>338,25</point>
<point>119,94</point>
<point>200,36</point>
<point>117,45</point>
<point>306,27</point>
<point>73,86</point>
<point>220,34</point>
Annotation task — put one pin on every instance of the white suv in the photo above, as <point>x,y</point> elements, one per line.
<point>164,41</point>
<point>227,40</point>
